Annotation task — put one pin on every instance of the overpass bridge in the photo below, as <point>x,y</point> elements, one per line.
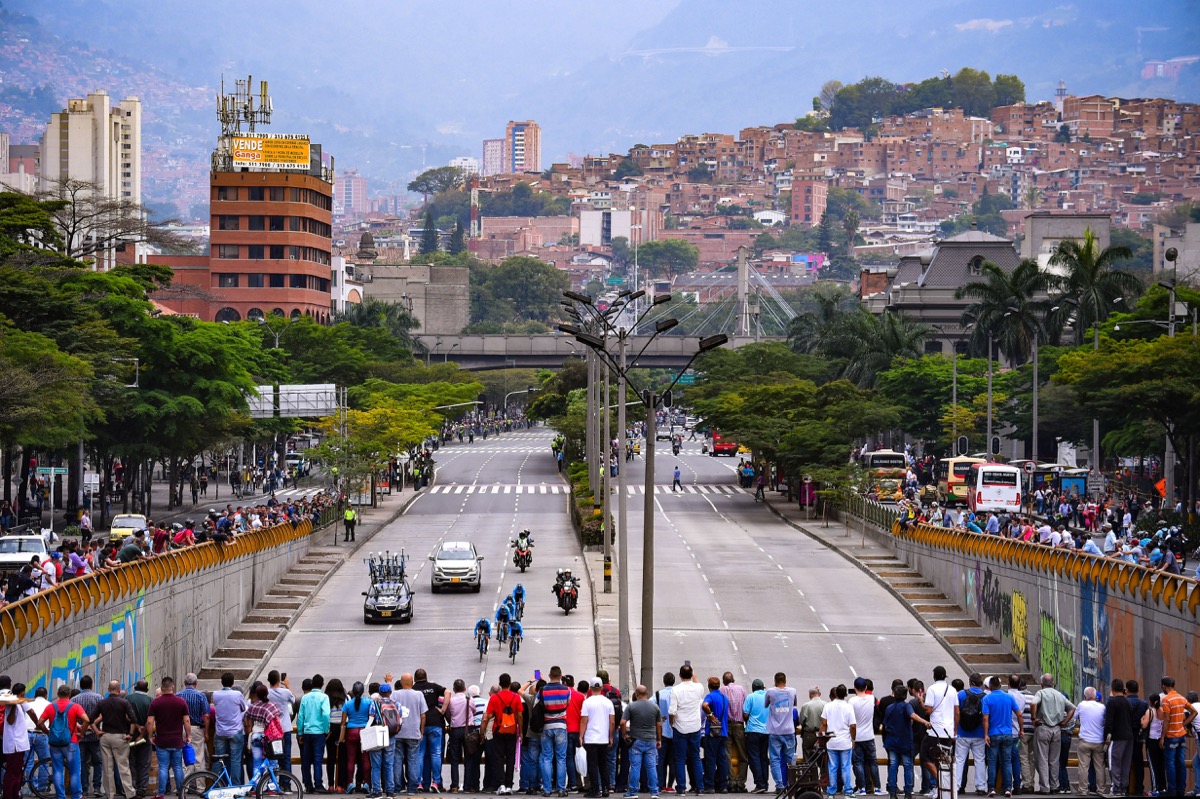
<point>549,350</point>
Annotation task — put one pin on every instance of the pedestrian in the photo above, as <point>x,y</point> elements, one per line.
<point>971,734</point>
<point>716,738</point>
<point>261,713</point>
<point>350,517</point>
<point>1176,716</point>
<point>283,698</point>
<point>458,716</point>
<point>473,743</point>
<point>810,727</point>
<point>1001,716</point>
<point>898,720</point>
<point>556,699</point>
<point>312,725</point>
<point>756,713</point>
<point>1121,730</point>
<point>675,484</point>
<point>89,743</point>
<point>1051,711</point>
<point>198,713</point>
<point>229,741</point>
<point>16,743</point>
<point>599,725</point>
<point>115,724</point>
<point>666,752</point>
<point>64,741</point>
<point>383,759</point>
<point>641,726</point>
<point>169,728</point>
<point>531,741</point>
<point>686,720</point>
<point>761,485</point>
<point>736,695</point>
<point>437,697</point>
<point>781,730</point>
<point>864,761</point>
<point>358,712</point>
<point>838,721</point>
<point>140,748</point>
<point>503,719</point>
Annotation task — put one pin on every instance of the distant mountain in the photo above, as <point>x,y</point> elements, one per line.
<point>389,87</point>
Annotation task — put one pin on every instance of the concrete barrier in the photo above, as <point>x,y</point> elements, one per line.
<point>1082,618</point>
<point>147,619</point>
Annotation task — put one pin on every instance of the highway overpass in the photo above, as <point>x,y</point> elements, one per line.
<point>549,350</point>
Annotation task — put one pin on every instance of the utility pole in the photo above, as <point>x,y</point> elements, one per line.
<point>625,647</point>
<point>606,523</point>
<point>647,671</point>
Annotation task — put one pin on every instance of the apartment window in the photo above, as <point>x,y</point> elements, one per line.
<point>277,223</point>
<point>294,224</point>
<point>256,194</point>
<point>256,223</point>
<point>277,194</point>
<point>294,253</point>
<point>254,280</point>
<point>226,192</point>
<point>227,251</point>
<point>276,282</point>
<point>256,252</point>
<point>225,222</point>
<point>277,252</point>
<point>298,281</point>
<point>227,280</point>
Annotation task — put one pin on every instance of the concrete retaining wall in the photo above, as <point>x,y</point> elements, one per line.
<point>158,617</point>
<point>1082,618</point>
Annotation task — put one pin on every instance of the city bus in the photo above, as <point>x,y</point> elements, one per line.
<point>885,472</point>
<point>952,474</point>
<point>994,487</point>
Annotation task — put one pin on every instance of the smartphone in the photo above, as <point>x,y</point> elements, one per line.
<point>687,663</point>
<point>283,676</point>
<point>537,674</point>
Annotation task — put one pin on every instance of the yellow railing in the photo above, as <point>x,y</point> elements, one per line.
<point>46,609</point>
<point>1172,591</point>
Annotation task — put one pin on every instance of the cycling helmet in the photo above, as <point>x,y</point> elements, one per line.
<point>189,523</point>
<point>177,527</point>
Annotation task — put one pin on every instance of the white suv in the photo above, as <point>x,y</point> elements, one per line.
<point>17,550</point>
<point>456,565</point>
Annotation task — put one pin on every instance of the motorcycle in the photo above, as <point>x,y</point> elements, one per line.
<point>568,595</point>
<point>675,449</point>
<point>522,552</point>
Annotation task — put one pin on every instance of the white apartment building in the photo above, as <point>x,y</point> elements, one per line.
<point>94,140</point>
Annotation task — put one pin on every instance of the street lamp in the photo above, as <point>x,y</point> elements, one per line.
<point>429,352</point>
<point>446,354</point>
<point>953,389</point>
<point>271,330</point>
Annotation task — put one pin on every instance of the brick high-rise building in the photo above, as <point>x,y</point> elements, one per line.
<point>808,202</point>
<point>350,194</point>
<point>522,147</point>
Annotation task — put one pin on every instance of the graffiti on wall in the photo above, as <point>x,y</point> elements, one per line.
<point>123,632</point>
<point>1095,633</point>
<point>1055,656</point>
<point>1020,628</point>
<point>970,589</point>
<point>995,604</point>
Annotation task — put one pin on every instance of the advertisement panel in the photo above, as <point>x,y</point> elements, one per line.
<point>270,150</point>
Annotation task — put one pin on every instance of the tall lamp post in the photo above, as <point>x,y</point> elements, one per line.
<point>270,329</point>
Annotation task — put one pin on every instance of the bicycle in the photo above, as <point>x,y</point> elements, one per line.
<point>502,632</point>
<point>520,608</point>
<point>481,643</point>
<point>514,644</point>
<point>267,780</point>
<point>40,786</point>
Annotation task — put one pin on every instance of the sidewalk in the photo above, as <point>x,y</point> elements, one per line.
<point>871,551</point>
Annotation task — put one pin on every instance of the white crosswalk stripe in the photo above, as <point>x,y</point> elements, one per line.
<point>543,488</point>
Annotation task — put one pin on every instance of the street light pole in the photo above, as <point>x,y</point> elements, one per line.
<point>647,671</point>
<point>606,481</point>
<point>625,648</point>
<point>988,446</point>
<point>1172,255</point>
<point>1035,395</point>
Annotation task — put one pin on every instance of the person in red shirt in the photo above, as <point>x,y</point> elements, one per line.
<point>65,759</point>
<point>503,717</point>
<point>169,727</point>
<point>573,743</point>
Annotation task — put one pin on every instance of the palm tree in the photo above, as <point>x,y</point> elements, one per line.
<point>868,344</point>
<point>810,331</point>
<point>390,316</point>
<point>1008,307</point>
<point>1090,282</point>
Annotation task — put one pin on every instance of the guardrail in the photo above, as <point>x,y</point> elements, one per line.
<point>46,609</point>
<point>1171,591</point>
<point>877,513</point>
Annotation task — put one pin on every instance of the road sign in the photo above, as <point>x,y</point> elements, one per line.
<point>1030,467</point>
<point>1095,483</point>
<point>49,470</point>
<point>686,380</point>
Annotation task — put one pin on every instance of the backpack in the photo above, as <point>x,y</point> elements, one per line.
<point>970,715</point>
<point>615,697</point>
<point>537,718</point>
<point>508,721</point>
<point>60,728</point>
<point>390,717</point>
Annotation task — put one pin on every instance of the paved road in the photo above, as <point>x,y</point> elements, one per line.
<point>330,636</point>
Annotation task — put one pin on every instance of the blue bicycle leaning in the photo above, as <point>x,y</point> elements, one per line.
<point>267,780</point>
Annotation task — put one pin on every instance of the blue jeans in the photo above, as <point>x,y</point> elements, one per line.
<point>65,760</point>
<point>431,756</point>
<point>1176,764</point>
<point>1000,748</point>
<point>408,755</point>
<point>865,763</point>
<point>839,766</point>
<point>687,756</point>
<point>39,744</point>
<point>716,763</point>
<point>782,751</point>
<point>170,761</point>
<point>1016,762</point>
<point>895,760</point>
<point>230,746</point>
<point>531,758</point>
<point>757,744</point>
<point>554,759</point>
<point>285,762</point>
<point>643,752</point>
<point>312,756</point>
<point>381,769</point>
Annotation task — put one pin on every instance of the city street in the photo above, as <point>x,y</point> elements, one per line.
<point>736,588</point>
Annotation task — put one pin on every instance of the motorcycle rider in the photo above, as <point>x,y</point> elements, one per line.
<point>563,582</point>
<point>522,543</point>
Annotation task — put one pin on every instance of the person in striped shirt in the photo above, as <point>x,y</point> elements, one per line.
<point>555,698</point>
<point>1176,715</point>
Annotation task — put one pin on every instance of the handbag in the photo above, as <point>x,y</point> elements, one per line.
<point>189,754</point>
<point>373,736</point>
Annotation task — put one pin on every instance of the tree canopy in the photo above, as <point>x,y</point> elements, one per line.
<point>859,104</point>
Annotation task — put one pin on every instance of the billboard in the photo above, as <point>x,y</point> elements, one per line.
<point>270,150</point>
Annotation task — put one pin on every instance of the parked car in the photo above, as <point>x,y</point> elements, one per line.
<point>456,564</point>
<point>388,601</point>
<point>126,524</point>
<point>16,551</point>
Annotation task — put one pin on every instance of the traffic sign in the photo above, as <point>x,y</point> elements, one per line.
<point>1095,483</point>
<point>49,470</point>
<point>1030,467</point>
<point>686,380</point>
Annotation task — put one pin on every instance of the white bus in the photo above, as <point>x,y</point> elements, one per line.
<point>994,487</point>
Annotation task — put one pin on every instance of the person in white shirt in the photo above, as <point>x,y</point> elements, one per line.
<point>837,719</point>
<point>941,703</point>
<point>684,710</point>
<point>1091,750</point>
<point>598,720</point>
<point>865,761</point>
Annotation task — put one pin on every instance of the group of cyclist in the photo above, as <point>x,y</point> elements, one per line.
<point>508,624</point>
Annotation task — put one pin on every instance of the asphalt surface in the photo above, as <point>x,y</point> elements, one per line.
<point>736,588</point>
<point>476,500</point>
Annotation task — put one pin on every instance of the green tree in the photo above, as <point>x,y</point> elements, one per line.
<point>866,344</point>
<point>812,331</point>
<point>856,105</point>
<point>628,168</point>
<point>995,294</point>
<point>436,180</point>
<point>45,399</point>
<point>825,232</point>
<point>392,317</point>
<point>1141,259</point>
<point>1008,90</point>
<point>668,257</point>
<point>429,235</point>
<point>27,224</point>
<point>974,92</point>
<point>1063,134</point>
<point>458,241</point>
<point>1090,281</point>
<point>519,284</point>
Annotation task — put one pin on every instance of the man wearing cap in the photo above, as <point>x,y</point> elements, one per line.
<point>599,722</point>
<point>754,709</point>
<point>382,759</point>
<point>198,714</point>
